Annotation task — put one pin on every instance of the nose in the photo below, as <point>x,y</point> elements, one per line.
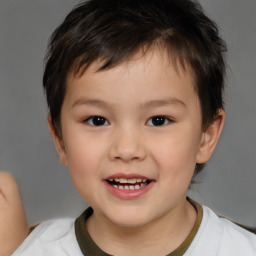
<point>127,145</point>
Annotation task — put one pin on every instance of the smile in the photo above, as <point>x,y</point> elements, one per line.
<point>128,184</point>
<point>128,187</point>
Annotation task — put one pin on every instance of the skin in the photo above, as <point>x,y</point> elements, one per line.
<point>128,143</point>
<point>13,225</point>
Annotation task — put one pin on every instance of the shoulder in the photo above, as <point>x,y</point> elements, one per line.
<point>239,239</point>
<point>219,236</point>
<point>52,237</point>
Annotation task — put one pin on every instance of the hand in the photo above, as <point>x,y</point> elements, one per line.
<point>13,225</point>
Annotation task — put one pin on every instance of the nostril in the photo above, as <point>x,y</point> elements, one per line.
<point>127,154</point>
<point>127,145</point>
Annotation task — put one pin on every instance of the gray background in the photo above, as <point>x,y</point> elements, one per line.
<point>26,150</point>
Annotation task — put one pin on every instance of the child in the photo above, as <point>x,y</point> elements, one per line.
<point>134,90</point>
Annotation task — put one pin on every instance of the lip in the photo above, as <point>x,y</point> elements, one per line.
<point>127,176</point>
<point>128,194</point>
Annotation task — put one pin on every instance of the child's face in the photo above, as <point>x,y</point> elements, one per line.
<point>137,121</point>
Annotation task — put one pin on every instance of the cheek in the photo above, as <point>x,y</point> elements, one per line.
<point>176,165</point>
<point>83,157</point>
<point>83,163</point>
<point>176,154</point>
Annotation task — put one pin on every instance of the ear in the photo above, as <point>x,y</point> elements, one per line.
<point>210,138</point>
<point>58,143</point>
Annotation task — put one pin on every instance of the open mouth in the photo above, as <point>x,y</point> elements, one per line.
<point>128,184</point>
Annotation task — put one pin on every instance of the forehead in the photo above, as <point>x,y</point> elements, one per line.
<point>145,73</point>
<point>154,59</point>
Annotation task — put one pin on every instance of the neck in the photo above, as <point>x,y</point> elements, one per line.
<point>159,237</point>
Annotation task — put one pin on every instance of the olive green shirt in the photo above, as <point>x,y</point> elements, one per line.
<point>88,247</point>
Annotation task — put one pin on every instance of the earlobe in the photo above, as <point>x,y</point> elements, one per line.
<point>210,138</point>
<point>58,142</point>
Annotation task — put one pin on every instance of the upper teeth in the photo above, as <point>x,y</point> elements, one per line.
<point>130,181</point>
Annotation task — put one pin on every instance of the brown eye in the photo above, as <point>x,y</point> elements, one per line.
<point>158,121</point>
<point>97,121</point>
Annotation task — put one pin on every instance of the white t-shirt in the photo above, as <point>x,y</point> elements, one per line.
<point>215,237</point>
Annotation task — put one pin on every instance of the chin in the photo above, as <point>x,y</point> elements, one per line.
<point>129,218</point>
<point>129,222</point>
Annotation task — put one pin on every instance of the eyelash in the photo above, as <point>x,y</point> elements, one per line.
<point>100,119</point>
<point>166,120</point>
<point>103,121</point>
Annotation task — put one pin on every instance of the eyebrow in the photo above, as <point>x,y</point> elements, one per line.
<point>147,104</point>
<point>163,102</point>
<point>97,103</point>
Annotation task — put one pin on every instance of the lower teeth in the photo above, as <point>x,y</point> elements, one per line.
<point>132,187</point>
